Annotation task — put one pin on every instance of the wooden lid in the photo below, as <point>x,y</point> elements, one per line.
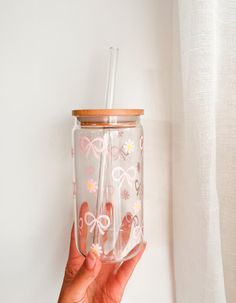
<point>106,112</point>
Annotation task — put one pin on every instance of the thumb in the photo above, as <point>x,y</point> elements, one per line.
<point>85,276</point>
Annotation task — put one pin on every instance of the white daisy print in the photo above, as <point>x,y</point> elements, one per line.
<point>137,206</point>
<point>97,249</point>
<point>92,186</point>
<point>128,147</point>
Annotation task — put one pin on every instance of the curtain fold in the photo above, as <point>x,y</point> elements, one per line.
<point>204,149</point>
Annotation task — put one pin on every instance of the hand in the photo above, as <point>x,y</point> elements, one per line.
<point>90,281</point>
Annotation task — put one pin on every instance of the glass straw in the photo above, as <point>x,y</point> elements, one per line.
<point>109,98</point>
<point>111,77</point>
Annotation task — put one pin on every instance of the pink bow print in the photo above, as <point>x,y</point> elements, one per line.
<point>119,174</point>
<point>118,153</point>
<point>138,229</point>
<point>97,145</point>
<point>92,221</point>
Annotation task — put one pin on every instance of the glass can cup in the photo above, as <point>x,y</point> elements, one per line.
<point>107,152</point>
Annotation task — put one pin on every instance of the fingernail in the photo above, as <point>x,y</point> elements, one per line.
<point>90,261</point>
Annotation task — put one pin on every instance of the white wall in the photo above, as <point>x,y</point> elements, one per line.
<point>53,58</point>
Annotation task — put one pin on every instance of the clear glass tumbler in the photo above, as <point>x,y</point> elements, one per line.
<point>107,151</point>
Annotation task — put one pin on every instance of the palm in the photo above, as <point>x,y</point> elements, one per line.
<point>105,288</point>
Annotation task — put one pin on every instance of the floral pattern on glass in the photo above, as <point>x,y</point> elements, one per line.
<point>92,186</point>
<point>125,194</point>
<point>97,249</point>
<point>128,147</point>
<point>137,206</point>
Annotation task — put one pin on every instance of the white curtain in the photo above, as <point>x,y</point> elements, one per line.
<point>204,151</point>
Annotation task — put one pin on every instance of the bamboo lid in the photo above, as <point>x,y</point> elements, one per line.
<point>106,112</point>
